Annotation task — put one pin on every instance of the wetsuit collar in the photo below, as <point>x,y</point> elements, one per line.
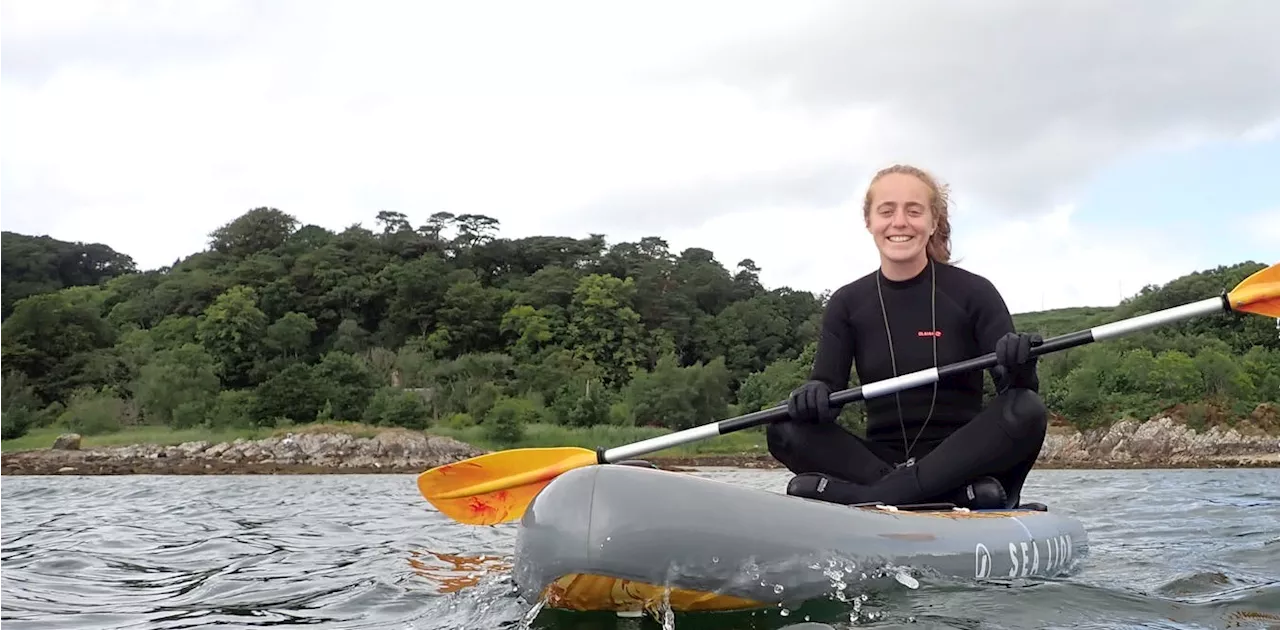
<point>909,282</point>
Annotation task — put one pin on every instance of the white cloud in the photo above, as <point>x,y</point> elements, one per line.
<point>1049,261</point>
<point>746,128</point>
<point>1019,101</point>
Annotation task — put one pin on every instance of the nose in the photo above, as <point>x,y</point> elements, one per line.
<point>900,217</point>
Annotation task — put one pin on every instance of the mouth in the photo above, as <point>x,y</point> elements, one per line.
<point>899,238</point>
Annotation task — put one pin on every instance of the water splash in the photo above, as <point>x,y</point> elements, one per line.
<point>668,616</point>
<point>526,621</point>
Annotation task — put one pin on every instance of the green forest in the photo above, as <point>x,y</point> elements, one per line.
<point>451,328</point>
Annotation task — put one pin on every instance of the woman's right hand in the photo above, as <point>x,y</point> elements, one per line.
<point>811,402</point>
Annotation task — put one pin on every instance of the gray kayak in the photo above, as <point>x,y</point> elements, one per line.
<point>621,537</point>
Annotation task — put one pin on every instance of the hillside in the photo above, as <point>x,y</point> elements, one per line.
<point>1210,370</point>
<point>1063,320</point>
<point>450,325</point>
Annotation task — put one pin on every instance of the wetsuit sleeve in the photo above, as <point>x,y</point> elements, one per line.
<point>834,357</point>
<point>991,320</point>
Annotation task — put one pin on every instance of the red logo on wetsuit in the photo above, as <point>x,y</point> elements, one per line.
<point>929,333</point>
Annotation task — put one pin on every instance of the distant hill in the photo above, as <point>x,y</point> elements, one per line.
<point>1060,321</point>
<point>1240,332</point>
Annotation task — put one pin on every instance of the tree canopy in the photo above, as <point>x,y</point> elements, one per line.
<point>451,324</point>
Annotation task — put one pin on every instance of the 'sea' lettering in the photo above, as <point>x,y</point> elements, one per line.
<point>1024,556</point>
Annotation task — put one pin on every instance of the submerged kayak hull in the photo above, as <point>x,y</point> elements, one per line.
<point>627,538</point>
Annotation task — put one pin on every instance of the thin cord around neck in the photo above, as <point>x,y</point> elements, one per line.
<point>933,304</point>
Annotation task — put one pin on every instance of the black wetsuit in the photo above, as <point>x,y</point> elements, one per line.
<point>1001,440</point>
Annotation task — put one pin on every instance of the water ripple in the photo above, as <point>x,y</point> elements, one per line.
<point>1169,549</point>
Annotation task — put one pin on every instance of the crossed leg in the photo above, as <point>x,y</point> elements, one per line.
<point>1002,441</point>
<point>805,447</point>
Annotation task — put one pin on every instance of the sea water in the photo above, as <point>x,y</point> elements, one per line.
<point>1168,549</point>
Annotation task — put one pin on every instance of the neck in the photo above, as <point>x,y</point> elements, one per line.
<point>898,271</point>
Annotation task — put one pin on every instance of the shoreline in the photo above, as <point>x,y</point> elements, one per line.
<point>410,453</point>
<point>1156,444</point>
<point>54,465</point>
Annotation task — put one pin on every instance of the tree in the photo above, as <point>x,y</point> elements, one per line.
<point>233,331</point>
<point>603,328</point>
<point>258,230</point>
<point>175,377</point>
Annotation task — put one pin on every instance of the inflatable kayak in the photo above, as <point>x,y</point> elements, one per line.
<point>628,538</point>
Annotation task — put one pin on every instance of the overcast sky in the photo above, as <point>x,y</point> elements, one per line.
<point>1092,147</point>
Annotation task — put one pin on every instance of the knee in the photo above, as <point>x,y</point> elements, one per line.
<point>776,434</point>
<point>1024,413</point>
<point>781,438</point>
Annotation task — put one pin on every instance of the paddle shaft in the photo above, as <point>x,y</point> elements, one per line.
<point>923,377</point>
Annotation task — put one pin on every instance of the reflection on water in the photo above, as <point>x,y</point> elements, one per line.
<point>1170,549</point>
<point>451,572</point>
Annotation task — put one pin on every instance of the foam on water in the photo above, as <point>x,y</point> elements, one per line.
<point>1169,549</point>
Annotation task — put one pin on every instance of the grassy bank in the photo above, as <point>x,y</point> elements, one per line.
<point>43,437</point>
<point>535,435</point>
<point>539,435</point>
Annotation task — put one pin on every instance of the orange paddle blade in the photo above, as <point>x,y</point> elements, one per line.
<point>1259,293</point>
<point>497,487</point>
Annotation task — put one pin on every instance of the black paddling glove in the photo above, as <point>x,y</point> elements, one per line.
<point>1015,367</point>
<point>811,402</point>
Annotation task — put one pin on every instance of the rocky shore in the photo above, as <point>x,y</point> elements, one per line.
<point>391,451</point>
<point>1158,443</point>
<point>1161,443</point>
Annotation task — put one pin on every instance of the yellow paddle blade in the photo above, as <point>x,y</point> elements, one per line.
<point>497,487</point>
<point>1259,293</point>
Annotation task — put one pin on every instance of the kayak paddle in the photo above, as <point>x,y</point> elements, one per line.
<point>497,487</point>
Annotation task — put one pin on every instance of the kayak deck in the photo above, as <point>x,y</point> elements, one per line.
<point>627,538</point>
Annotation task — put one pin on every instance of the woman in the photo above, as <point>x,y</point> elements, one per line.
<point>932,443</point>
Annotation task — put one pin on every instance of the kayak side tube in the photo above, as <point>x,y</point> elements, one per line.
<point>613,537</point>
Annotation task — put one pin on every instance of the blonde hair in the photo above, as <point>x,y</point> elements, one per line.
<point>939,246</point>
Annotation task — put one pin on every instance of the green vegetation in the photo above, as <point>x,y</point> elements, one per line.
<point>42,437</point>
<point>1209,370</point>
<point>538,434</point>
<point>500,342</point>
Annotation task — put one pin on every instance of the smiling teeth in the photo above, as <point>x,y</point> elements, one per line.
<point>899,239</point>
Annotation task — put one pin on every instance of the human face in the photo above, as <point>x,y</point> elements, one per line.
<point>900,220</point>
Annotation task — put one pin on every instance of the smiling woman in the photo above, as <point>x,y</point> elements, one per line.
<point>906,211</point>
<point>917,311</point>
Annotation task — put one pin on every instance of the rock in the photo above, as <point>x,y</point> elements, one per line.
<point>189,449</point>
<point>1158,442</point>
<point>67,469</point>
<point>67,442</point>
